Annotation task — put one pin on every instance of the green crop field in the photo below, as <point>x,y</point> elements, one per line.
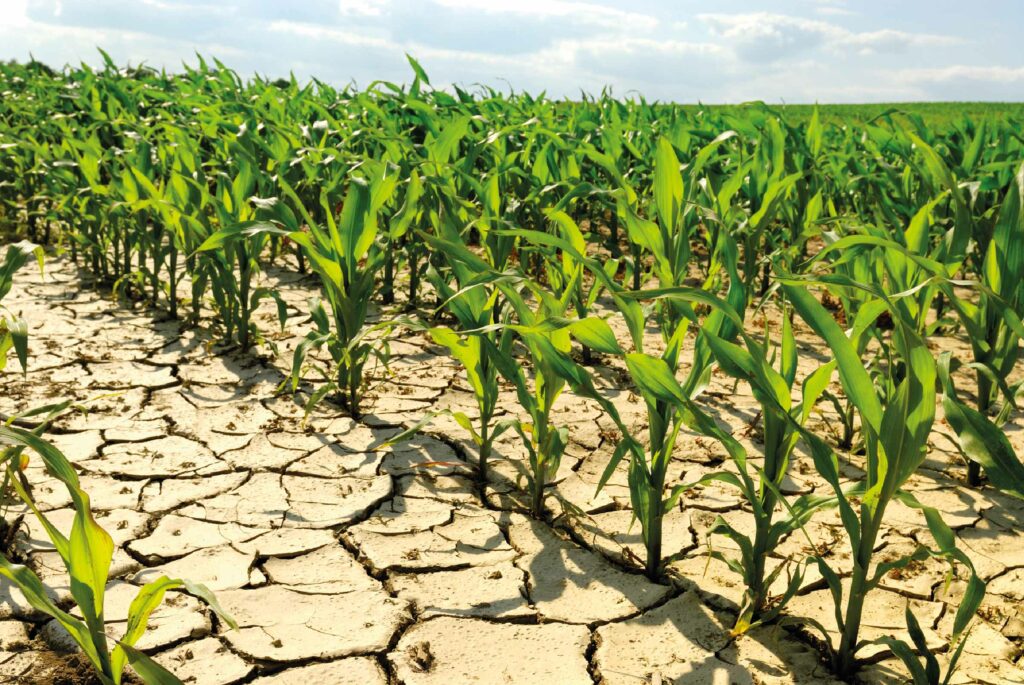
<point>854,273</point>
<point>938,115</point>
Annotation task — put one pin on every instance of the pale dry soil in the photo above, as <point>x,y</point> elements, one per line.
<point>344,560</point>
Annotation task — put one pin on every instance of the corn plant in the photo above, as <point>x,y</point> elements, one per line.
<point>179,204</point>
<point>897,419</point>
<point>669,408</point>
<point>565,272</point>
<point>346,257</point>
<point>234,252</point>
<point>667,240</point>
<point>87,553</point>
<point>13,329</point>
<point>782,420</point>
<point>548,346</point>
<point>546,333</point>
<point>767,180</point>
<point>477,306</point>
<point>670,405</point>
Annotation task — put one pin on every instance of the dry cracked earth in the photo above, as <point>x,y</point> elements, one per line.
<point>347,561</point>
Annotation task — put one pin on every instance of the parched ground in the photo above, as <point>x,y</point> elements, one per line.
<point>347,562</point>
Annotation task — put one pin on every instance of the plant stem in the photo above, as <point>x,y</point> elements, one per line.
<point>984,404</point>
<point>614,230</point>
<point>845,661</point>
<point>756,590</point>
<point>537,498</point>
<point>191,267</point>
<point>485,453</point>
<point>243,292</point>
<point>636,265</point>
<point>414,277</point>
<point>388,294</point>
<point>653,568</point>
<point>173,277</point>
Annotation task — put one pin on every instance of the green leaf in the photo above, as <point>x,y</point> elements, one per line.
<point>36,595</point>
<point>596,334</point>
<point>855,379</point>
<point>789,356</point>
<point>18,330</point>
<point>668,185</point>
<point>146,601</point>
<point>90,552</point>
<point>202,592</point>
<point>654,378</point>
<point>218,240</point>
<point>420,73</point>
<point>149,670</point>
<point>979,438</point>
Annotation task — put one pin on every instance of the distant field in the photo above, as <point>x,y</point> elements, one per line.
<point>933,113</point>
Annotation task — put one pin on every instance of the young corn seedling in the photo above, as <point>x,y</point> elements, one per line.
<point>548,342</point>
<point>768,188</point>
<point>235,249</point>
<point>782,419</point>
<point>476,305</point>
<point>669,408</point>
<point>670,405</point>
<point>13,329</point>
<point>896,419</point>
<point>545,442</point>
<point>546,333</point>
<point>87,554</point>
<point>475,351</point>
<point>179,205</point>
<point>485,344</point>
<point>346,257</point>
<point>667,240</point>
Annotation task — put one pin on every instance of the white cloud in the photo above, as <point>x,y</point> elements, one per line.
<point>835,8</point>
<point>892,41</point>
<point>960,72</point>
<point>582,12</point>
<point>647,61</point>
<point>763,36</point>
<point>963,82</point>
<point>363,8</point>
<point>14,14</point>
<point>324,33</point>
<point>766,37</point>
<point>834,11</point>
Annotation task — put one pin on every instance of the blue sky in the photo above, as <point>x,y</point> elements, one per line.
<point>681,50</point>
